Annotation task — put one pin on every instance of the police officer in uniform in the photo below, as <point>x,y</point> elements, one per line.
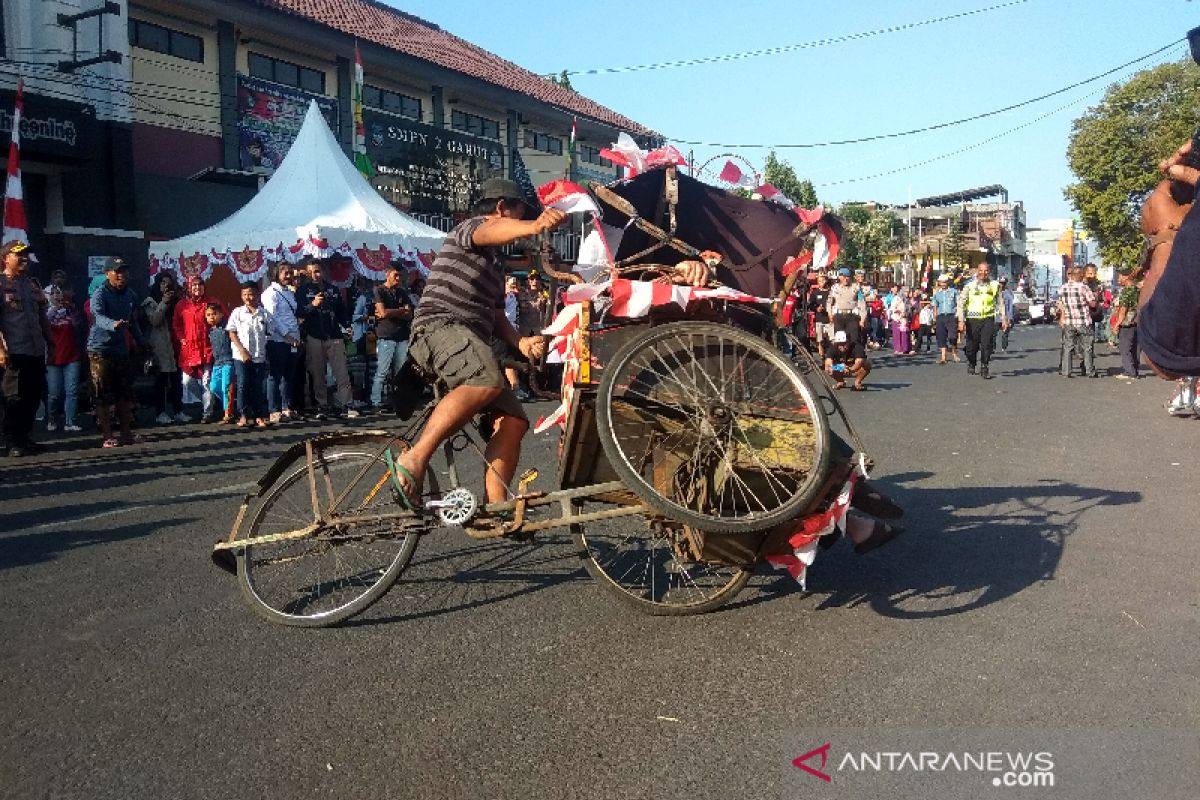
<point>979,309</point>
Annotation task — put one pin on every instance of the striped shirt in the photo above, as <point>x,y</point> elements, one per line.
<point>465,284</point>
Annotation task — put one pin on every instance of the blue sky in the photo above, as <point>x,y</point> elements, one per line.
<point>890,82</point>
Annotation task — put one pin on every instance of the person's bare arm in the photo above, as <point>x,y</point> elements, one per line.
<point>499,231</point>
<point>532,347</point>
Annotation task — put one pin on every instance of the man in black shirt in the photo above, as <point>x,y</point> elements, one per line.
<point>393,319</point>
<point>326,321</point>
<point>818,297</point>
<point>846,357</point>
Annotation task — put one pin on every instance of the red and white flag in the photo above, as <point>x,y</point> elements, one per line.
<point>16,226</point>
<point>731,174</point>
<point>769,192</point>
<point>568,197</point>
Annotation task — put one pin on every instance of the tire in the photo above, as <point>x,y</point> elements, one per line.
<point>713,428</point>
<point>641,566</point>
<point>337,572</point>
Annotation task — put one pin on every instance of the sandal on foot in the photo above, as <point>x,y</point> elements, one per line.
<point>110,443</point>
<point>857,388</point>
<point>399,473</point>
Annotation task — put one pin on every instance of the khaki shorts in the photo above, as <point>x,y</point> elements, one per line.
<point>453,355</point>
<point>112,378</point>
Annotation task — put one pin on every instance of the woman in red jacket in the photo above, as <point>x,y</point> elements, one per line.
<point>191,331</point>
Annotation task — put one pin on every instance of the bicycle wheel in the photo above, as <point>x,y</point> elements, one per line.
<point>657,571</point>
<point>712,427</point>
<point>347,561</point>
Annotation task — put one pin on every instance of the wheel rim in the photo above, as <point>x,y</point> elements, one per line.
<point>716,424</point>
<point>320,576</point>
<point>657,566</point>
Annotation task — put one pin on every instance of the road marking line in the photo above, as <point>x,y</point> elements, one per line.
<point>222,490</point>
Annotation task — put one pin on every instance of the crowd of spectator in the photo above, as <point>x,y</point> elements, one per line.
<point>283,353</point>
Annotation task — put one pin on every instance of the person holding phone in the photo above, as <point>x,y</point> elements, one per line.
<point>326,324</point>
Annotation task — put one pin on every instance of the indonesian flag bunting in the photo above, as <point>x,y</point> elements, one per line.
<point>632,299</point>
<point>360,136</point>
<point>626,153</point>
<point>16,226</point>
<point>804,540</point>
<point>636,298</point>
<point>567,197</point>
<point>769,192</point>
<point>731,174</point>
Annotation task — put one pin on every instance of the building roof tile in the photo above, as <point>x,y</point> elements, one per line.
<point>374,22</point>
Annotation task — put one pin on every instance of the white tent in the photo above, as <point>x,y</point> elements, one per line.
<point>316,204</point>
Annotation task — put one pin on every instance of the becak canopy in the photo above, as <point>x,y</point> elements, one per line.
<point>316,204</point>
<point>756,238</point>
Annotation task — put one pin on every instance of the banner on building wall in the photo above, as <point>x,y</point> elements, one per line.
<point>423,169</point>
<point>51,128</point>
<point>269,117</point>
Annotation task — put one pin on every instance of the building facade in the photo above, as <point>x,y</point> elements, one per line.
<point>198,101</point>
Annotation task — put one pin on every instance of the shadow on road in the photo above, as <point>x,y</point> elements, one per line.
<point>37,546</point>
<point>450,573</point>
<point>964,548</point>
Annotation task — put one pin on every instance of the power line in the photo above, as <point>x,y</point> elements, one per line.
<point>960,150</point>
<point>770,51</point>
<point>940,125</point>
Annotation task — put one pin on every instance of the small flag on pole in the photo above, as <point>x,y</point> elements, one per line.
<point>361,161</point>
<point>570,154</point>
<point>731,174</point>
<point>568,197</point>
<point>16,226</point>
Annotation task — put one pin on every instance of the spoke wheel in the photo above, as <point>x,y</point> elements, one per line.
<point>713,427</point>
<point>347,562</point>
<point>656,570</point>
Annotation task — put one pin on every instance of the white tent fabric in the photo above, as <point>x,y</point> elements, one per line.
<point>316,204</point>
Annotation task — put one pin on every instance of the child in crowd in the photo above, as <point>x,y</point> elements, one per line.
<point>248,328</point>
<point>220,381</point>
<point>925,320</point>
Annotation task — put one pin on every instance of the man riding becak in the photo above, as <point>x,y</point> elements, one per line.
<point>461,312</point>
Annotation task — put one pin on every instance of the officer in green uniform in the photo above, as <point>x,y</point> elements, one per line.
<point>979,309</point>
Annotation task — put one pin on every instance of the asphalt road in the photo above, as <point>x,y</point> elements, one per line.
<point>1046,587</point>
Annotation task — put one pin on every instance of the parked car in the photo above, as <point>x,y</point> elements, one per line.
<point>1020,306</point>
<point>1041,311</point>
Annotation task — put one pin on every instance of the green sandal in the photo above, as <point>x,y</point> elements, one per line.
<point>408,501</point>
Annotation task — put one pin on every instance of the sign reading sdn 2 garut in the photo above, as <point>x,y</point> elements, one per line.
<point>426,169</point>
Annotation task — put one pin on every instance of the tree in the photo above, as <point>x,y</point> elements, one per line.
<point>870,233</point>
<point>953,251</point>
<point>780,174</point>
<point>1115,148</point>
<point>563,80</point>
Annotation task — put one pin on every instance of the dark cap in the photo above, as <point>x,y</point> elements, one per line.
<point>114,264</point>
<point>14,246</point>
<point>500,189</point>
